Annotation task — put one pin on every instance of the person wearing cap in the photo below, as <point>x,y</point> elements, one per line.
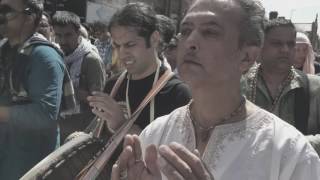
<point>304,58</point>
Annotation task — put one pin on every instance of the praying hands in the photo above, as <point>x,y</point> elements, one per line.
<point>179,162</point>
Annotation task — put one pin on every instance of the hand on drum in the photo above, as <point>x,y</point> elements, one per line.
<point>107,109</point>
<point>179,163</point>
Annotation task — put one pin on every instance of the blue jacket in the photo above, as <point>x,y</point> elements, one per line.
<point>31,131</point>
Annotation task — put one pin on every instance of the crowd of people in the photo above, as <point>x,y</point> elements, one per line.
<point>241,99</point>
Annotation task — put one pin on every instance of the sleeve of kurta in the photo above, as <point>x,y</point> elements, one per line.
<point>307,167</point>
<point>303,170</point>
<point>44,79</point>
<point>297,159</point>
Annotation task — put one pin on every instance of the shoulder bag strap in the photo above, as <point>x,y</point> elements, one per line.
<point>96,126</point>
<point>117,84</point>
<point>94,168</point>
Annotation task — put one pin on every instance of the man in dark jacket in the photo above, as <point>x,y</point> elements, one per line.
<point>82,58</point>
<point>85,67</point>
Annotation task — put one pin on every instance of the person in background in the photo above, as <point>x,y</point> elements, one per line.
<point>167,30</point>
<point>85,67</point>
<point>88,27</point>
<point>171,54</point>
<point>103,44</point>
<point>219,135</point>
<point>84,64</point>
<point>32,73</point>
<point>304,58</point>
<point>276,86</point>
<point>45,27</point>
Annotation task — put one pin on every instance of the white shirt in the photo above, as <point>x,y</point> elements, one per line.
<point>261,147</point>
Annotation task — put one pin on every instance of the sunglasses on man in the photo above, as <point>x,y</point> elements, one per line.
<point>7,13</point>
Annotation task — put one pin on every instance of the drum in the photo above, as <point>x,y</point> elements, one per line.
<point>66,162</point>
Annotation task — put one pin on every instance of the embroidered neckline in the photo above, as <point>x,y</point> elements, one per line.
<point>224,120</point>
<point>205,132</point>
<point>231,132</point>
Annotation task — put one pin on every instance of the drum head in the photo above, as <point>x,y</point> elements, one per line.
<point>67,161</point>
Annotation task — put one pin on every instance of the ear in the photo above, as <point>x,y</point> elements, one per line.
<point>251,54</point>
<point>155,39</point>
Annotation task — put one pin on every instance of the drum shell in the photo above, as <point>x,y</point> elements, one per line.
<point>67,161</point>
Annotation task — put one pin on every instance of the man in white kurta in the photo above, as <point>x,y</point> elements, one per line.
<point>219,135</point>
<point>260,147</point>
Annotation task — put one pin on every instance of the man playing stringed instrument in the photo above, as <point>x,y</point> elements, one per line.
<point>135,39</point>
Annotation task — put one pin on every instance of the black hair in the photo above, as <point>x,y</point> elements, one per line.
<point>139,16</point>
<point>166,28</point>
<point>100,26</point>
<point>277,22</point>
<point>64,18</point>
<point>251,27</point>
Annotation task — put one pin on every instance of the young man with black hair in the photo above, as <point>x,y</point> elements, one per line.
<point>81,57</point>
<point>135,39</point>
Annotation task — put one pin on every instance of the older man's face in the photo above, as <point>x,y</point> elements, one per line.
<point>208,50</point>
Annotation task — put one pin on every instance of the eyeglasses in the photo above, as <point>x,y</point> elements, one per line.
<point>7,13</point>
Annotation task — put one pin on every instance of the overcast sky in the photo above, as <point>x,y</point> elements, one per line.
<point>300,11</point>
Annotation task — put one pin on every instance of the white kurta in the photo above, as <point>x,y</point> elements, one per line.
<point>261,147</point>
